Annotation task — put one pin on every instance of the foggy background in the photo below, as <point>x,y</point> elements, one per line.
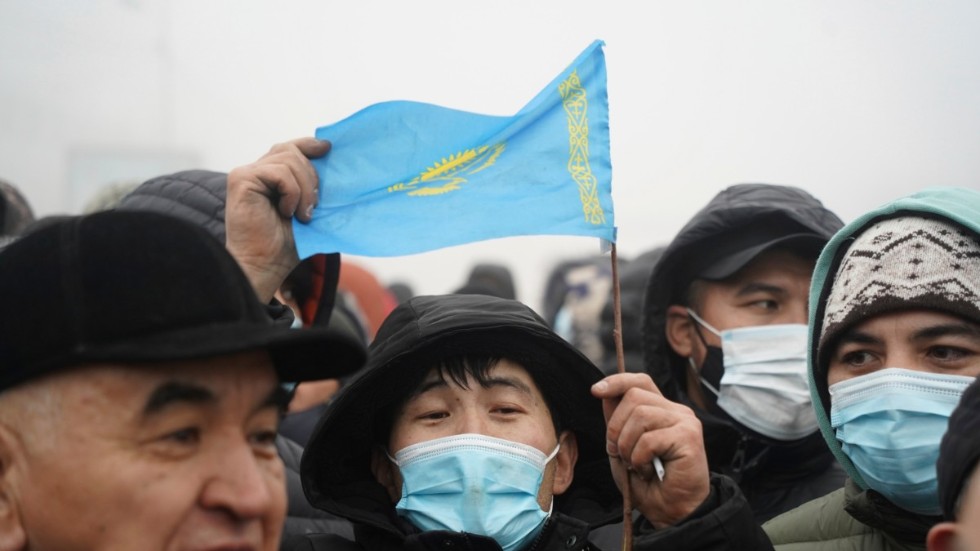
<point>857,102</point>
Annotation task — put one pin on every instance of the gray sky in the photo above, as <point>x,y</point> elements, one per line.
<point>855,101</point>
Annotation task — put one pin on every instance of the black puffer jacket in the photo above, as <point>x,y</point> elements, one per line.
<point>723,523</point>
<point>301,517</point>
<point>774,476</point>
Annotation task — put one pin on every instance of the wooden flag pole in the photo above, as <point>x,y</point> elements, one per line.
<point>621,368</point>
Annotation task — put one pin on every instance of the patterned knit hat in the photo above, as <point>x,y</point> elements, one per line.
<point>904,263</point>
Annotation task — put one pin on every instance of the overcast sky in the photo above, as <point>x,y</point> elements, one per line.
<point>855,101</point>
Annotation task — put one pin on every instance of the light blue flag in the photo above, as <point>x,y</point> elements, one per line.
<point>405,177</point>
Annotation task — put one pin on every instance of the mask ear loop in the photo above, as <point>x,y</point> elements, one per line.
<point>552,454</point>
<point>698,323</point>
<point>392,458</point>
<point>704,324</point>
<point>709,386</point>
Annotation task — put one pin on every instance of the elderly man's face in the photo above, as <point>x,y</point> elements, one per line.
<point>167,456</point>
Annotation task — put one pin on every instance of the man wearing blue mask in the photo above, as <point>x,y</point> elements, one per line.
<point>895,341</point>
<point>724,332</point>
<point>475,426</point>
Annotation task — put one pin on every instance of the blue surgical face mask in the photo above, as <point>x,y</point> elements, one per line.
<point>474,483</point>
<point>764,385</point>
<point>890,423</point>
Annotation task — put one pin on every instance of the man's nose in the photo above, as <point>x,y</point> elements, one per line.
<point>471,422</point>
<point>241,485</point>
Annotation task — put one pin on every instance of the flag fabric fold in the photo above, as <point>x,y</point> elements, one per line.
<point>406,177</point>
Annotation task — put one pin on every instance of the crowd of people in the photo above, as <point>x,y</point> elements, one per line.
<point>791,382</point>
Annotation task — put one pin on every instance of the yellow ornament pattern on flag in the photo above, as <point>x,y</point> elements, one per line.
<point>576,105</point>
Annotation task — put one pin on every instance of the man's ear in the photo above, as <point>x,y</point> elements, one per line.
<point>12,534</point>
<point>680,333</point>
<point>565,462</point>
<point>942,537</point>
<point>386,473</point>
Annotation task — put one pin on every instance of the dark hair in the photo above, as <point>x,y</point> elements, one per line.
<point>458,369</point>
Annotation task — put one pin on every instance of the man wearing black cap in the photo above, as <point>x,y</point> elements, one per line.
<point>475,426</point>
<point>141,412</point>
<point>959,479</point>
<point>724,331</point>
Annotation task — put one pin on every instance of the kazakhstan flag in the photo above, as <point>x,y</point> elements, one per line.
<point>405,177</point>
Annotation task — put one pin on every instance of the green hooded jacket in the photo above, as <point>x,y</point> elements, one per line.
<point>855,517</point>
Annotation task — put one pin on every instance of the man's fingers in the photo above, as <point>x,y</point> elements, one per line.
<point>306,179</point>
<point>631,423</point>
<point>311,147</point>
<point>308,146</point>
<point>295,154</point>
<point>276,181</point>
<point>616,385</point>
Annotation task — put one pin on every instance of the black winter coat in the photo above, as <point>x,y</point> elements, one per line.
<point>724,522</point>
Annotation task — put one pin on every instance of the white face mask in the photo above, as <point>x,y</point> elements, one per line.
<point>764,386</point>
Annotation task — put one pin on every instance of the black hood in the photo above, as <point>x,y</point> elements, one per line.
<point>738,210</point>
<point>417,334</point>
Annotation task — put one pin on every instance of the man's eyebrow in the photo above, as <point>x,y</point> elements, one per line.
<point>955,329</point>
<point>174,392</point>
<point>759,287</point>
<point>429,385</point>
<point>854,336</point>
<point>511,382</point>
<point>490,382</point>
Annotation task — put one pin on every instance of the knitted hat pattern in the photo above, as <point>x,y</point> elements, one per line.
<point>905,263</point>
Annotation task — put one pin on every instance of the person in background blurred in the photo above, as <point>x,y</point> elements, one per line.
<point>366,297</point>
<point>15,213</point>
<point>489,279</point>
<point>633,277</point>
<point>574,296</point>
<point>401,290</point>
<point>309,291</point>
<point>109,196</point>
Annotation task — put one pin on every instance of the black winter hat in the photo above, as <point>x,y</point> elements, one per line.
<point>417,335</point>
<point>959,452</point>
<point>142,287</point>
